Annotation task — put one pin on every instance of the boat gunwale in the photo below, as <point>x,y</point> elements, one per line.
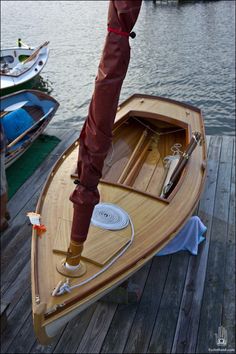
<point>164,99</point>
<point>33,91</point>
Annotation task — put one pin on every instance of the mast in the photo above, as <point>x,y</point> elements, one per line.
<point>96,134</point>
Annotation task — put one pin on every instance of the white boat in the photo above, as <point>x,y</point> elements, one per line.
<point>21,64</point>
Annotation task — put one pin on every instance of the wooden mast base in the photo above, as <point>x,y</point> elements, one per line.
<point>61,268</point>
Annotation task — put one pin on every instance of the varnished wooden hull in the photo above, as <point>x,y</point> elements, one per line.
<point>133,176</point>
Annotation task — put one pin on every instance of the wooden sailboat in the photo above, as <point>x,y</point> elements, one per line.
<point>21,64</point>
<point>24,116</point>
<point>147,132</point>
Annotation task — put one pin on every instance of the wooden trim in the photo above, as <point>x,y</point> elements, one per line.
<point>165,99</point>
<point>133,157</point>
<point>156,116</point>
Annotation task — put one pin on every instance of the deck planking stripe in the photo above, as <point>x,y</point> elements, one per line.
<point>211,311</point>
<point>228,313</point>
<point>97,328</point>
<point>167,315</point>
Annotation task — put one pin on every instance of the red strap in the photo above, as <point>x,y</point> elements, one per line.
<point>114,30</point>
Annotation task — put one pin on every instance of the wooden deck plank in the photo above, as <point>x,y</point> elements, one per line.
<point>22,343</point>
<point>188,321</point>
<point>119,330</point>
<point>74,332</point>
<point>3,315</point>
<point>16,320</point>
<point>167,315</point>
<point>97,328</point>
<point>39,348</point>
<point>12,264</point>
<point>144,321</point>
<point>14,292</point>
<point>228,312</point>
<point>211,311</point>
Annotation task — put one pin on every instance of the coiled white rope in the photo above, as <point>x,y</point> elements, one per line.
<point>110,217</point>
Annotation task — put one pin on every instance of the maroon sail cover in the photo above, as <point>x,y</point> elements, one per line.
<point>96,135</point>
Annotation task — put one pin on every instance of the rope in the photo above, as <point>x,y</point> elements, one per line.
<point>176,153</point>
<point>154,131</point>
<point>109,217</point>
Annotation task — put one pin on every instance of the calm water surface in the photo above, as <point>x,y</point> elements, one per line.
<point>184,52</point>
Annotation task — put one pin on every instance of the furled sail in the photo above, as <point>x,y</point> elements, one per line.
<point>96,135</point>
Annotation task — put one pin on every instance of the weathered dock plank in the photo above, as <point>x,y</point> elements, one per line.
<point>228,311</point>
<point>3,319</point>
<point>144,320</point>
<point>211,311</point>
<point>169,308</point>
<point>188,321</point>
<point>68,342</point>
<point>97,328</point>
<point>122,322</point>
<point>16,320</point>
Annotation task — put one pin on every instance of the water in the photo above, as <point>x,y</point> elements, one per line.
<point>184,52</point>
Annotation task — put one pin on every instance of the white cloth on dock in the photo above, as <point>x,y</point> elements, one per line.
<point>188,239</point>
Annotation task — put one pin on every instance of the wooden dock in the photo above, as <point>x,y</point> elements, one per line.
<point>184,299</point>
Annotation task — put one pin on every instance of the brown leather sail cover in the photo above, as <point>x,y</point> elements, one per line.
<point>96,135</point>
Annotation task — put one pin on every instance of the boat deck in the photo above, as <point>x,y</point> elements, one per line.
<point>184,299</point>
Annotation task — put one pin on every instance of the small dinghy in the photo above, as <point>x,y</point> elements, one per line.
<point>24,116</point>
<point>21,64</point>
<point>152,180</point>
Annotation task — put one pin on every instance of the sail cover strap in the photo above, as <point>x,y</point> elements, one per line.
<point>125,34</point>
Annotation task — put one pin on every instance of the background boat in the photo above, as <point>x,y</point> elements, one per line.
<point>146,130</point>
<point>24,116</point>
<point>21,64</point>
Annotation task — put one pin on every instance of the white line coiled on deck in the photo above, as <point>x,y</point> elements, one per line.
<point>110,217</point>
